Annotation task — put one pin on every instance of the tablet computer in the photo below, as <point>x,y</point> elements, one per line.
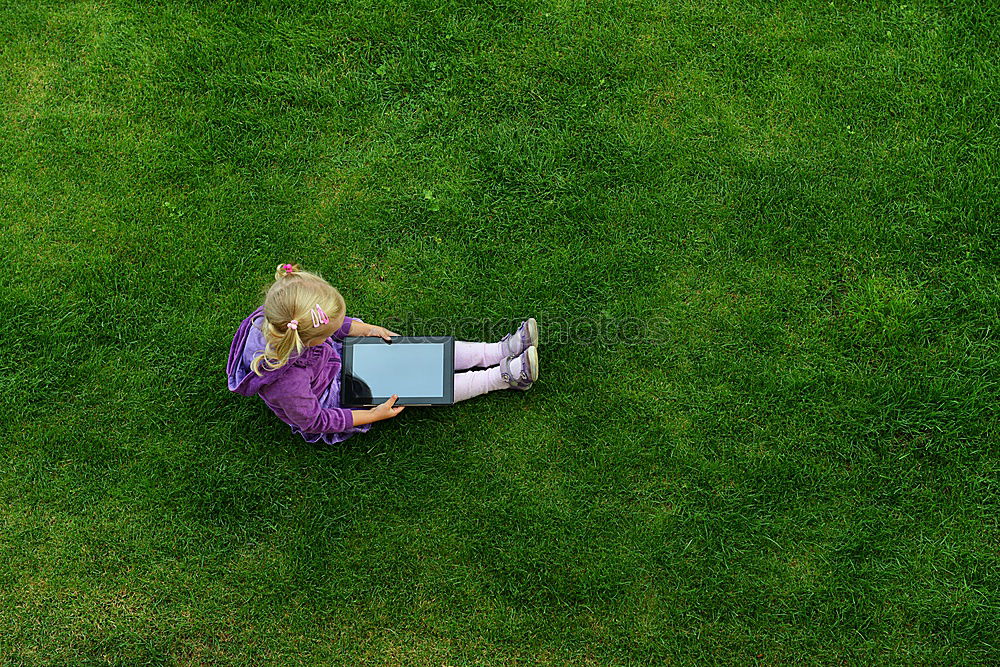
<point>419,369</point>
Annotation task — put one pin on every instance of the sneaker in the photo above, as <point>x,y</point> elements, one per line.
<point>520,372</point>
<point>519,341</point>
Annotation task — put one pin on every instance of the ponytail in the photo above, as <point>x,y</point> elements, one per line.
<point>279,347</point>
<point>286,271</point>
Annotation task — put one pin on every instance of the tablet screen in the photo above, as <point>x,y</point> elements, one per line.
<point>406,370</point>
<point>413,368</point>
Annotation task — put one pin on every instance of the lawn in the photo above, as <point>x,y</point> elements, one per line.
<point>761,240</point>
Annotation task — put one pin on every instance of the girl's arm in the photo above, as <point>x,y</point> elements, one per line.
<point>359,328</point>
<point>293,400</point>
<point>378,413</point>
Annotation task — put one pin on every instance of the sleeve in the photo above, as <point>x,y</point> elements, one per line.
<point>303,410</point>
<point>342,332</point>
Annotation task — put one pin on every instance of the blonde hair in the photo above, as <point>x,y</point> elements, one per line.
<point>292,296</point>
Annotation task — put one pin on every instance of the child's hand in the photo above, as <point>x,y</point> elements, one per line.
<point>385,410</point>
<point>382,332</point>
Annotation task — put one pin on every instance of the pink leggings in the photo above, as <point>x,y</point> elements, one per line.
<point>475,383</point>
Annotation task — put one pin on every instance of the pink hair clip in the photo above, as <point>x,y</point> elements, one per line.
<point>318,316</point>
<point>288,268</point>
<point>294,324</point>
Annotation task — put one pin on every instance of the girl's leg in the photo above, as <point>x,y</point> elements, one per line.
<point>476,383</point>
<point>470,355</point>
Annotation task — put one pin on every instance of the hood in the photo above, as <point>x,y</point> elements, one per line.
<point>247,344</point>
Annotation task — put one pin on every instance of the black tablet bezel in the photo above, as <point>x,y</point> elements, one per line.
<point>347,399</point>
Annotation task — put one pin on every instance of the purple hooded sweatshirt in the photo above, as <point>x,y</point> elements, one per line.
<point>305,392</point>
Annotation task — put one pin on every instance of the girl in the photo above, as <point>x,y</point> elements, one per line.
<point>288,353</point>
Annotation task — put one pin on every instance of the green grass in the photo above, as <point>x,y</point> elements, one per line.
<point>796,201</point>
